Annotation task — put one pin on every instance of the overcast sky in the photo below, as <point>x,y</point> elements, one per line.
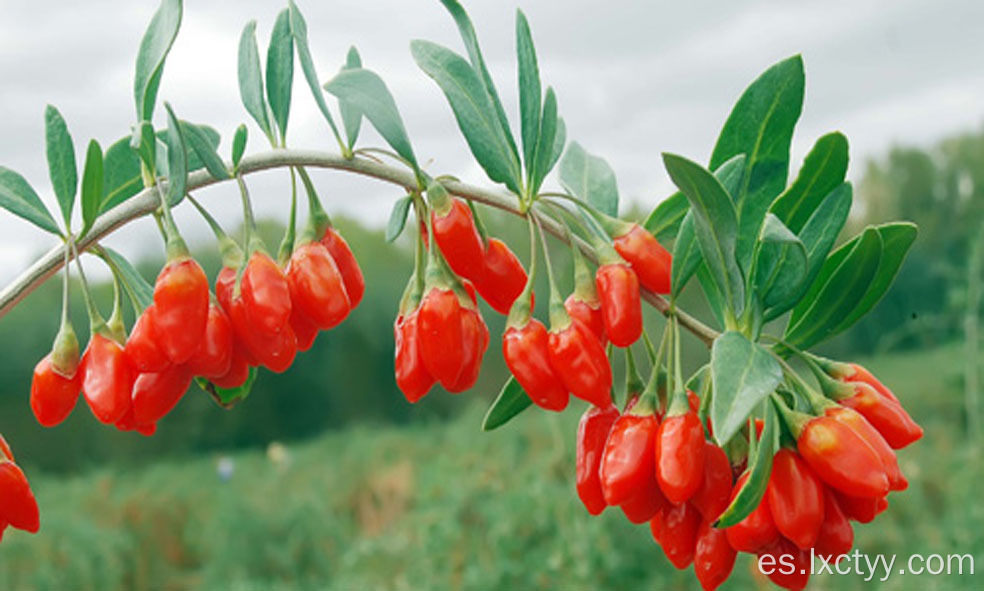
<point>632,78</point>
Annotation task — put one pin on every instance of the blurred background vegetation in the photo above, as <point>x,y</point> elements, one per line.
<point>326,478</point>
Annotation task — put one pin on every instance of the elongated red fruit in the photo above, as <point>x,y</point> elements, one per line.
<point>17,505</point>
<point>714,558</point>
<point>589,313</point>
<point>795,499</point>
<point>458,239</point>
<point>265,295</point>
<point>237,375</point>
<point>180,308</point>
<point>142,347</point>
<point>348,266</point>
<point>679,534</point>
<point>889,417</point>
<point>650,261</point>
<point>52,396</point>
<point>475,339</point>
<point>757,530</point>
<point>618,289</point>
<point>792,565</point>
<point>842,459</point>
<point>214,354</point>
<point>580,361</point>
<point>155,394</point>
<point>441,341</point>
<point>592,432</point>
<point>527,354</point>
<point>680,456</point>
<point>502,279</point>
<point>412,377</point>
<point>108,379</point>
<point>627,463</point>
<point>316,286</point>
<point>836,535</point>
<point>854,420</point>
<point>712,498</point>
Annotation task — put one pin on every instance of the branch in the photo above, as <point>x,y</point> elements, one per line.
<point>147,201</point>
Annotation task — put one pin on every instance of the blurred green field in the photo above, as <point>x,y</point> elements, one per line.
<point>440,505</point>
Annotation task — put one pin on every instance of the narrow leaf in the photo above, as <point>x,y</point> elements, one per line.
<point>473,111</point>
<point>743,374</point>
<point>154,47</point>
<point>298,28</point>
<point>351,114</point>
<point>17,197</point>
<point>896,239</point>
<point>280,71</point>
<point>197,139</point>
<point>686,256</point>
<point>239,145</point>
<point>839,288</point>
<point>366,91</point>
<point>92,185</point>
<point>823,171</point>
<point>177,160</point>
<point>121,175</point>
<point>251,80</point>
<point>782,263</point>
<point>761,127</point>
<point>398,217</point>
<point>144,142</point>
<point>468,35</point>
<point>138,287</point>
<point>529,91</point>
<point>817,236</point>
<point>759,468</point>
<point>589,178</point>
<point>665,220</point>
<point>715,224</point>
<point>62,168</point>
<point>545,143</point>
<point>511,401</point>
<point>560,142</point>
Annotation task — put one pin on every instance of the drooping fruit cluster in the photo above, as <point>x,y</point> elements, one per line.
<point>260,316</point>
<point>18,509</point>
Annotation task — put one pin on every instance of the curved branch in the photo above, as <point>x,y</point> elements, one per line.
<point>147,201</point>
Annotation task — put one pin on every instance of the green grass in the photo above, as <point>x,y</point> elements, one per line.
<point>444,506</point>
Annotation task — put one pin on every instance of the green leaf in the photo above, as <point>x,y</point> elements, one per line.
<point>715,225</point>
<point>665,220</point>
<point>133,282</point>
<point>560,142</point>
<point>686,256</point>
<point>351,114</point>
<point>715,301</point>
<point>365,90</point>
<point>280,71</point>
<point>62,168</point>
<point>896,239</point>
<point>92,185</point>
<point>511,401</point>
<point>154,47</point>
<point>529,91</point>
<point>589,178</point>
<point>298,28</point>
<point>473,111</point>
<point>198,140</point>
<point>144,142</point>
<point>17,197</point>
<point>823,171</point>
<point>467,31</point>
<point>838,289</point>
<point>121,175</point>
<point>782,263</point>
<point>239,145</point>
<point>177,160</point>
<point>545,143</point>
<point>398,217</point>
<point>743,374</point>
<point>686,250</point>
<point>759,468</point>
<point>817,236</point>
<point>761,127</point>
<point>227,397</point>
<point>251,80</point>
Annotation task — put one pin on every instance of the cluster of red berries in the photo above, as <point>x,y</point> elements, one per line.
<point>261,318</point>
<point>18,508</point>
<point>659,468</point>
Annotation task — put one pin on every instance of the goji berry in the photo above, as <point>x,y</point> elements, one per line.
<point>755,531</point>
<point>457,237</point>
<point>862,510</point>
<point>348,266</point>
<point>714,558</point>
<point>841,458</point>
<point>440,336</point>
<point>789,566</point>
<point>238,372</point>
<point>646,503</point>
<point>836,534</point>
<point>795,499</point>
<point>412,377</point>
<point>627,464</point>
<point>53,396</point>
<point>580,361</point>
<point>503,277</point>
<point>680,456</point>
<point>618,289</point>
<point>214,354</point>
<point>679,534</point>
<point>142,348</point>
<point>475,340</point>
<point>316,286</point>
<point>108,379</point>
<point>714,494</point>
<point>180,309</point>
<point>647,257</point>
<point>265,295</point>
<point>885,415</point>
<point>155,394</point>
<point>526,351</point>
<point>589,314</point>
<point>592,433</point>
<point>851,418</point>
<point>18,508</point>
